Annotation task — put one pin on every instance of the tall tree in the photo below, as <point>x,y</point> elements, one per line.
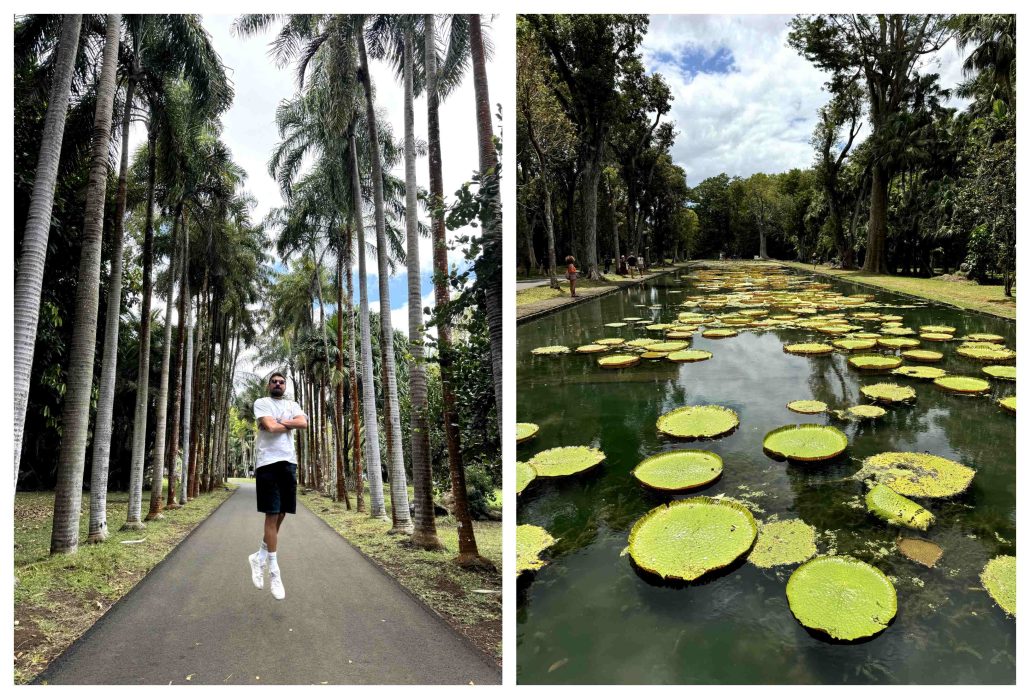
<point>28,283</point>
<point>75,418</point>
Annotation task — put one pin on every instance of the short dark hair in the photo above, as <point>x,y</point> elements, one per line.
<point>570,259</point>
<point>274,374</point>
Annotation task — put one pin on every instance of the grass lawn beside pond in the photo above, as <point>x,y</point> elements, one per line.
<point>468,600</point>
<point>57,598</point>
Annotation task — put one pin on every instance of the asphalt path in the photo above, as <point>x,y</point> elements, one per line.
<point>198,619</point>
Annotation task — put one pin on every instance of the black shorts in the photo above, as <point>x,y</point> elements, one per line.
<point>277,488</point>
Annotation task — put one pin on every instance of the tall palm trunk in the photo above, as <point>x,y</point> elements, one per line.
<point>341,471</point>
<point>424,534</point>
<point>468,553</point>
<point>187,399</point>
<point>394,448</point>
<point>552,257</point>
<point>109,365</point>
<point>75,417</point>
<point>368,398</point>
<point>28,285</point>
<point>161,413</point>
<point>353,374</point>
<point>195,388</point>
<point>492,218</point>
<point>139,425</point>
<point>173,438</point>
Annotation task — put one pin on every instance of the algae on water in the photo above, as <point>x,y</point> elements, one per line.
<point>999,579</point>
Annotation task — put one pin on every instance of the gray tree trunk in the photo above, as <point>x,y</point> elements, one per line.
<point>109,365</point>
<point>28,285</point>
<point>75,417</point>
<point>394,448</point>
<point>424,534</point>
<point>187,399</point>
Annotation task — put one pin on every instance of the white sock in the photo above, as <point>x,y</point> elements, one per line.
<point>273,564</point>
<point>262,552</point>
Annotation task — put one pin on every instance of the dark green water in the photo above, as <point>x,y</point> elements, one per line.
<point>588,617</point>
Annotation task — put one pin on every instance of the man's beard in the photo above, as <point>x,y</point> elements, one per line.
<point>277,391</point>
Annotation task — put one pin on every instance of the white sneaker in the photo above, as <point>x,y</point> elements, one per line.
<point>257,575</point>
<point>275,582</point>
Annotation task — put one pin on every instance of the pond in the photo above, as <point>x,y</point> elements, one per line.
<point>589,616</point>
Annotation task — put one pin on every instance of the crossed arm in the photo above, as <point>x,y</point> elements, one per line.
<point>269,424</point>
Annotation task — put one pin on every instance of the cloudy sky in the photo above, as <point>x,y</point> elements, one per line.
<point>251,133</point>
<point>744,101</point>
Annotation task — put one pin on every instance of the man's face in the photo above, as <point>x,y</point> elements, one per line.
<point>276,386</point>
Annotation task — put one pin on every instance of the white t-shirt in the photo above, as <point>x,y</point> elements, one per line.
<point>270,447</point>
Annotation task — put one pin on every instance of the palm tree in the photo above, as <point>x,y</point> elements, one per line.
<point>75,417</point>
<point>29,282</point>
<point>468,552</point>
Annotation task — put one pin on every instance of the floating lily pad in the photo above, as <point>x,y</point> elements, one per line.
<point>842,596</point>
<point>888,505</point>
<point>807,407</point>
<point>1009,403</point>
<point>530,542</point>
<point>986,354</point>
<point>985,337</point>
<point>808,348</point>
<point>920,551</point>
<point>525,431</point>
<point>618,361</point>
<point>668,346</point>
<point>917,475</point>
<point>615,325</point>
<point>888,393</point>
<point>688,538</point>
<point>679,334</point>
<point>591,349</point>
<point>1001,371</point>
<point>866,412</point>
<point>524,475</point>
<point>781,543</point>
<point>698,422</point>
<point>874,362</point>
<point>854,345</point>
<point>551,349</point>
<point>936,337</point>
<point>680,469</point>
<point>654,355</point>
<point>897,331</point>
<point>921,355</point>
<point>927,373</point>
<point>690,355</point>
<point>719,333</point>
<point>565,461</point>
<point>963,384</point>
<point>610,341</point>
<point>945,329</point>
<point>805,442</point>
<point>642,342</point>
<point>897,342</point>
<point>999,579</point>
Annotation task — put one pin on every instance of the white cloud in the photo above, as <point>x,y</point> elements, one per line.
<point>399,316</point>
<point>760,116</point>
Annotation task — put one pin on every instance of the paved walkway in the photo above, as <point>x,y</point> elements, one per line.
<point>198,619</point>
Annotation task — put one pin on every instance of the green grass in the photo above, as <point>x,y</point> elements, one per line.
<point>430,575</point>
<point>986,298</point>
<point>56,598</point>
<point>545,293</point>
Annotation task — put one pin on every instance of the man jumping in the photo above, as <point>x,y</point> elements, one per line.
<point>275,472</point>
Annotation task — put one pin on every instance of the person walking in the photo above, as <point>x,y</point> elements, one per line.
<point>571,273</point>
<point>631,262</point>
<point>275,475</point>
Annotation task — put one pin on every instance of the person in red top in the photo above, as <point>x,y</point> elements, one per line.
<point>571,274</point>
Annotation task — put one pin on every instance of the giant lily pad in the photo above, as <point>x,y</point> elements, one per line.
<point>783,543</point>
<point>986,354</point>
<point>551,349</point>
<point>936,337</point>
<point>920,551</point>
<point>985,337</point>
<point>565,461</point>
<point>808,348</point>
<point>524,475</point>
<point>642,342</point>
<point>917,475</point>
<point>690,355</point>
<point>591,349</point>
<point>615,325</point>
<point>1001,371</point>
<point>525,431</point>
<point>999,579</point>
<point>610,341</point>
<point>874,362</point>
<point>680,469</point>
<point>688,538</point>
<point>921,355</point>
<point>888,393</point>
<point>805,442</point>
<point>807,407</point>
<point>898,342</point>
<point>698,422</point>
<point>718,333</point>
<point>888,505</point>
<point>618,361</point>
<point>854,344</point>
<point>963,384</point>
<point>944,329</point>
<point>866,412</point>
<point>1009,403</point>
<point>927,373</point>
<point>842,596</point>
<point>530,541</point>
<point>668,346</point>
